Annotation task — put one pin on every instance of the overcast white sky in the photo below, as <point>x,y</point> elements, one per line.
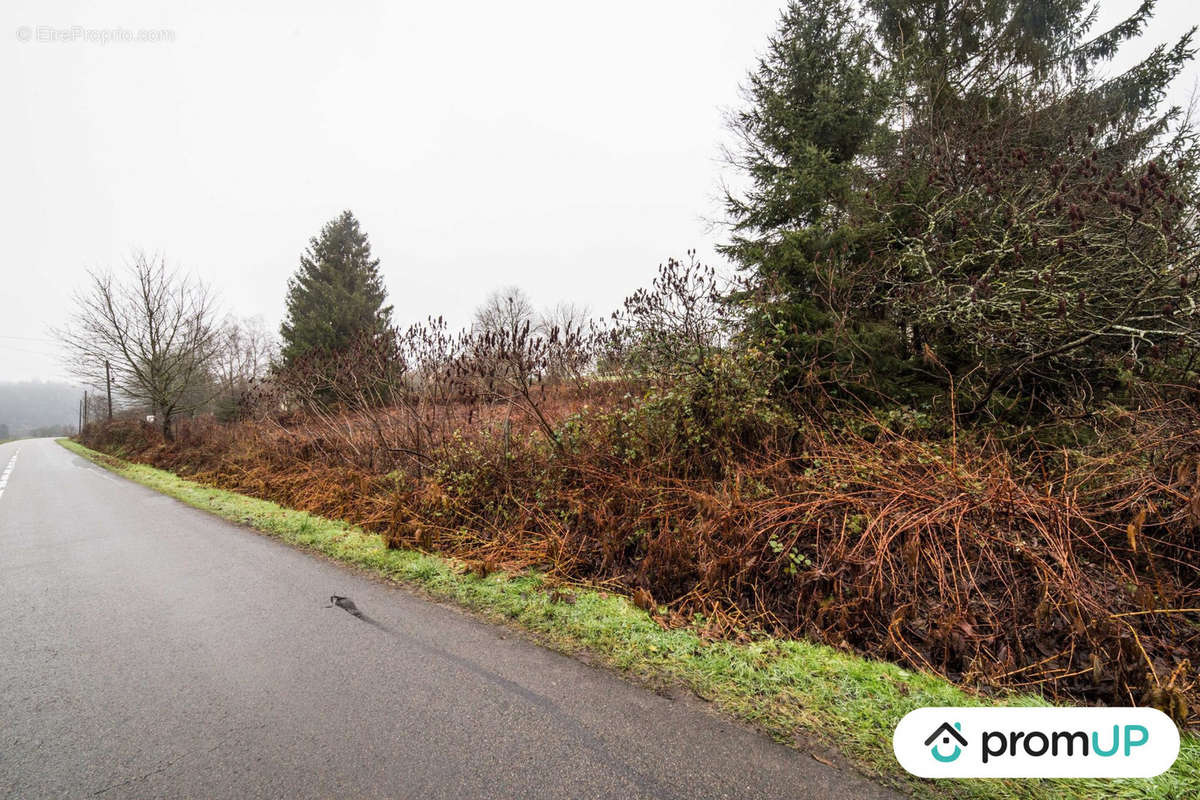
<point>564,147</point>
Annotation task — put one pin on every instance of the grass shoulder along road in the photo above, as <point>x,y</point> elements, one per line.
<point>797,691</point>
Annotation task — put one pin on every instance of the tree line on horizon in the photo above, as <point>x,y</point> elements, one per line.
<point>940,198</point>
<point>153,333</point>
<point>38,408</point>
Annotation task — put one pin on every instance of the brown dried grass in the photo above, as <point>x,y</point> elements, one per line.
<point>1074,572</point>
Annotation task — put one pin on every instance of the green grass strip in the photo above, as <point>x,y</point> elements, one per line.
<point>786,687</point>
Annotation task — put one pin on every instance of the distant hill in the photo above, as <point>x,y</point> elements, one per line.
<point>27,406</point>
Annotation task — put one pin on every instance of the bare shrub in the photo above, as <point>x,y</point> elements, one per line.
<point>675,324</point>
<point>954,557</point>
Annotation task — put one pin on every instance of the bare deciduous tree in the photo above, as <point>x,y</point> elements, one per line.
<point>506,311</point>
<point>506,318</point>
<point>155,329</point>
<point>563,316</point>
<point>569,328</point>
<point>244,353</point>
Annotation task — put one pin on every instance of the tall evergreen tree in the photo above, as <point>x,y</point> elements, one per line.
<point>958,185</point>
<point>336,294</point>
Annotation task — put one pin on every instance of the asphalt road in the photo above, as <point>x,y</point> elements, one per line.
<point>151,650</point>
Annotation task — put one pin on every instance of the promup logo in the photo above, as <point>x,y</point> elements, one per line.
<point>1036,742</point>
<point>947,732</point>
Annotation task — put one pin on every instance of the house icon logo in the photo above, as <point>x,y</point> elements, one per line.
<point>945,732</point>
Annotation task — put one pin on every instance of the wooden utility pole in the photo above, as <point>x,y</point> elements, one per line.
<point>79,427</point>
<point>108,387</point>
<point>85,408</point>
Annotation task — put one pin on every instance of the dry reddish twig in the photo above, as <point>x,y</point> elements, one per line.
<point>1073,573</point>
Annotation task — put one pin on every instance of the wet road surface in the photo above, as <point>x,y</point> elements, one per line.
<point>148,649</point>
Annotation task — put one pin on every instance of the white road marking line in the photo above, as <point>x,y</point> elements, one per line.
<point>12,462</point>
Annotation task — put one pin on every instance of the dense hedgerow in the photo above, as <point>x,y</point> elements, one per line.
<point>1063,568</point>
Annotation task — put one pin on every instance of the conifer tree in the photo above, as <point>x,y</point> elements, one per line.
<point>957,191</point>
<point>336,294</point>
<point>813,105</point>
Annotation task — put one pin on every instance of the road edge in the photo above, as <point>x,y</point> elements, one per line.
<point>797,692</point>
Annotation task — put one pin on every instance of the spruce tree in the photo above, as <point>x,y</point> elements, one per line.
<point>987,208</point>
<point>814,104</point>
<point>336,294</point>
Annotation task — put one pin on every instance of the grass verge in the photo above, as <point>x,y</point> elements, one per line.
<point>788,688</point>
